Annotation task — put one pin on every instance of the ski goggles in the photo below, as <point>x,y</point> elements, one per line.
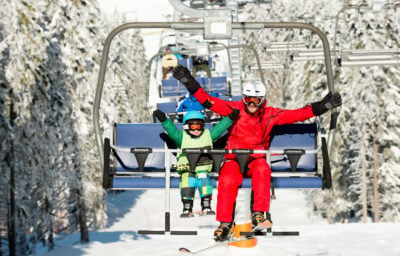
<point>255,100</point>
<point>194,126</point>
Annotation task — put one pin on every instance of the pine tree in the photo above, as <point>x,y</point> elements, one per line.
<point>47,95</point>
<point>365,92</point>
<point>47,91</point>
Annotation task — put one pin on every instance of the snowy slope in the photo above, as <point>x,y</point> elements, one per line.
<point>131,211</point>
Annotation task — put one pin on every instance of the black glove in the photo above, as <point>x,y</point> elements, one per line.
<point>327,103</point>
<point>183,74</point>
<point>234,114</point>
<point>160,115</point>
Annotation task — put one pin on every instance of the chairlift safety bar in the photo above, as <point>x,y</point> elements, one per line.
<point>225,151</point>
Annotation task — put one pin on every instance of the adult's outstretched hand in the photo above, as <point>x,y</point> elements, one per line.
<point>329,102</point>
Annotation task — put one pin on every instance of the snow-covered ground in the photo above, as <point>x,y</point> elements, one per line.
<point>131,211</point>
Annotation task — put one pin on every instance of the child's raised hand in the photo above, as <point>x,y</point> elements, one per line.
<point>159,115</point>
<point>234,114</point>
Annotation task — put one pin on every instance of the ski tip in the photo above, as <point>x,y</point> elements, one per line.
<point>183,249</point>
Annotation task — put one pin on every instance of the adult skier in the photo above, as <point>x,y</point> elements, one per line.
<point>251,130</point>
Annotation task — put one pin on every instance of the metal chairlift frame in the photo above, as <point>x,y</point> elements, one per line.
<point>240,26</point>
<point>371,57</point>
<point>357,57</point>
<point>200,27</point>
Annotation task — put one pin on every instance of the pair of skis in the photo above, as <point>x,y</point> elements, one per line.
<point>205,248</point>
<point>231,239</point>
<point>261,230</point>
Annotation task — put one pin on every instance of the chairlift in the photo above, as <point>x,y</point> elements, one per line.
<point>125,159</point>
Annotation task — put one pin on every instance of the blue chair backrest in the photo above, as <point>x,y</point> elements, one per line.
<point>215,84</point>
<point>138,135</point>
<point>294,136</point>
<point>167,107</point>
<point>172,87</point>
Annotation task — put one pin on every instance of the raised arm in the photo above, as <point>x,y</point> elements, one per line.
<point>174,133</point>
<point>215,104</point>
<point>329,102</point>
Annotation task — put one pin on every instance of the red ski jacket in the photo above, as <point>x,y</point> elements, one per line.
<point>252,131</point>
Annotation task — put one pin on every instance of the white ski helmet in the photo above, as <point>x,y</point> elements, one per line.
<point>254,88</point>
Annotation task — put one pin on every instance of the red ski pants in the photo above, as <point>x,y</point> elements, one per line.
<point>230,178</point>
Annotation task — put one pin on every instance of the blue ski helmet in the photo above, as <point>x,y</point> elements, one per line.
<point>192,115</point>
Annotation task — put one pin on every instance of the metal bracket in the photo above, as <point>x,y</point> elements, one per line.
<point>242,156</point>
<point>217,23</point>
<point>141,156</point>
<point>294,157</point>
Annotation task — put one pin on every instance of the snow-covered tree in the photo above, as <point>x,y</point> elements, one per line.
<point>126,81</point>
<point>49,58</point>
<point>365,92</point>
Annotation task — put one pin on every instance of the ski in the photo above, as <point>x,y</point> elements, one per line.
<point>204,248</point>
<point>213,245</point>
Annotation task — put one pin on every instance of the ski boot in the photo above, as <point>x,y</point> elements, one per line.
<point>187,208</point>
<point>261,220</point>
<point>206,206</point>
<point>223,232</point>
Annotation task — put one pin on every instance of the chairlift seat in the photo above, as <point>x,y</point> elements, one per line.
<point>125,167</point>
<point>172,87</point>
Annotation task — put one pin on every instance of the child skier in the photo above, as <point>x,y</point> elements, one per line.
<point>195,136</point>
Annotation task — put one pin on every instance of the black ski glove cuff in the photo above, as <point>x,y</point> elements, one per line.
<point>183,75</point>
<point>234,114</point>
<point>160,115</point>
<point>318,108</point>
<point>329,102</point>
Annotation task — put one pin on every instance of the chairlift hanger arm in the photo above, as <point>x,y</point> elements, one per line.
<point>240,26</point>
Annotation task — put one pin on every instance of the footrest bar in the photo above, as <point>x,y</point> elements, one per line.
<point>253,233</point>
<point>151,232</point>
<point>184,232</point>
<point>273,233</point>
<point>285,233</point>
<point>162,232</point>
